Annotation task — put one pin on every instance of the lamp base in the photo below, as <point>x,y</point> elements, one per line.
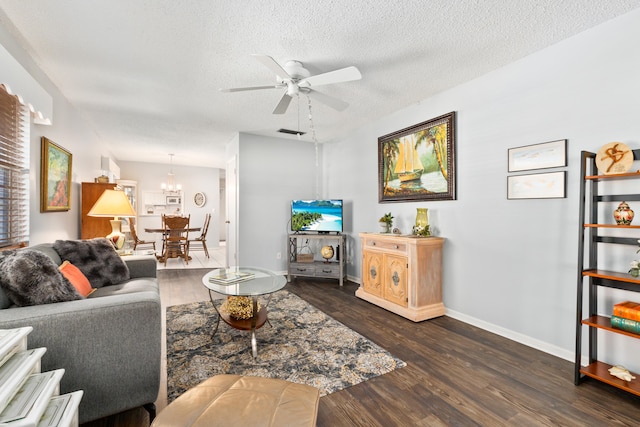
<point>116,237</point>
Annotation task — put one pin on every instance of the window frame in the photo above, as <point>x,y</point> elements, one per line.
<point>14,171</point>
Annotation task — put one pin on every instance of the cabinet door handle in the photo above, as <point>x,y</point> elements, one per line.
<point>373,273</point>
<point>395,246</point>
<point>395,278</point>
<point>373,243</point>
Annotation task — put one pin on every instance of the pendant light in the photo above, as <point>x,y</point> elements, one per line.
<point>170,185</point>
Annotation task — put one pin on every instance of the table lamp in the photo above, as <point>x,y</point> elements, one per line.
<point>113,203</point>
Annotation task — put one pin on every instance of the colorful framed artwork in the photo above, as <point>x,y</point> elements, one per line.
<point>55,177</point>
<point>545,155</point>
<point>418,162</point>
<point>551,185</point>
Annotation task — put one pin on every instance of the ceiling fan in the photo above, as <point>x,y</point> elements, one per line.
<point>296,79</point>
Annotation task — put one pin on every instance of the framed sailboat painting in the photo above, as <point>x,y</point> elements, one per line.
<point>418,162</point>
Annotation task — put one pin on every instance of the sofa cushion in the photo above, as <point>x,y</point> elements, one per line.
<point>47,249</point>
<point>96,258</point>
<point>128,287</point>
<point>31,278</point>
<point>77,279</point>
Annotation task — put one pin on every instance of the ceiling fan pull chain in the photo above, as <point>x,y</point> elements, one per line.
<point>313,130</point>
<point>315,142</point>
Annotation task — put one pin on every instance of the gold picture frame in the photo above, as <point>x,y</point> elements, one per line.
<point>55,177</point>
<point>418,162</point>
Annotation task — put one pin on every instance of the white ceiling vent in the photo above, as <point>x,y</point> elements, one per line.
<point>291,132</point>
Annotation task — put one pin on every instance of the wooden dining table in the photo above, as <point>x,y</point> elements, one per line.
<point>174,253</point>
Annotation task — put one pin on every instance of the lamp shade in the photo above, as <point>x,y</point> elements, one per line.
<point>112,203</point>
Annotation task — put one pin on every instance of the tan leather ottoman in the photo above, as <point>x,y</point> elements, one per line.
<point>236,400</point>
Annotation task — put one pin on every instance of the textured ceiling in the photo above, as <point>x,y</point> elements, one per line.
<point>146,73</point>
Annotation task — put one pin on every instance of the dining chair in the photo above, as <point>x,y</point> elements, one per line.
<point>202,238</point>
<point>164,234</point>
<point>136,240</point>
<point>176,237</point>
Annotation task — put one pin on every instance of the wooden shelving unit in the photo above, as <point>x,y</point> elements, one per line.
<point>335,269</point>
<point>593,277</point>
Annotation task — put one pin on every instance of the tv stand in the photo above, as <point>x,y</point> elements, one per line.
<point>333,269</point>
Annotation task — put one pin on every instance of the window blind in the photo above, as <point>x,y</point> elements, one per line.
<point>14,171</point>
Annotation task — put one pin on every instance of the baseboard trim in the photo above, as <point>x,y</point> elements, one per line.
<point>507,333</point>
<point>514,336</point>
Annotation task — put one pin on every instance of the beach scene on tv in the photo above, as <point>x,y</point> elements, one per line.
<point>316,215</point>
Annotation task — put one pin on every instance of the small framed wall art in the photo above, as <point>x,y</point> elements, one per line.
<point>545,155</point>
<point>55,177</point>
<point>550,185</point>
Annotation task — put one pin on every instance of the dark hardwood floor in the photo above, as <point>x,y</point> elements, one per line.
<point>456,374</point>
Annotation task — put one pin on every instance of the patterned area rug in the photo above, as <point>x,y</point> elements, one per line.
<point>302,345</point>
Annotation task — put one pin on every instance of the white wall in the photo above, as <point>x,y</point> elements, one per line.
<point>272,172</point>
<point>73,133</point>
<point>149,176</point>
<point>510,265</point>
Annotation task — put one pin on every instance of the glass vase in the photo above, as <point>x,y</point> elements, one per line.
<point>422,217</point>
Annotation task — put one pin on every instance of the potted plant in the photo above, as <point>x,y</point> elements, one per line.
<point>386,221</point>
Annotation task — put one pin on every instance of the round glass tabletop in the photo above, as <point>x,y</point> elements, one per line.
<point>243,281</point>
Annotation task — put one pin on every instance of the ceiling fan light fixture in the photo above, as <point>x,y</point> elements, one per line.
<point>292,89</point>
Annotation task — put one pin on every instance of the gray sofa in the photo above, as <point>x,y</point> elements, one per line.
<point>109,343</point>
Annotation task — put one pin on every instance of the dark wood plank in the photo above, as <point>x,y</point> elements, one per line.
<point>456,374</point>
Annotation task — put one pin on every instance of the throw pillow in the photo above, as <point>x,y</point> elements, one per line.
<point>96,258</point>
<point>30,278</point>
<point>77,279</point>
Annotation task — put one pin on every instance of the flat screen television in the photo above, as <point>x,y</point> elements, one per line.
<point>320,216</point>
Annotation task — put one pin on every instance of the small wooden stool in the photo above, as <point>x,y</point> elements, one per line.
<point>235,400</point>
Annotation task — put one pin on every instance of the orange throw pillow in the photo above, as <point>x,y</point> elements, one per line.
<point>77,279</point>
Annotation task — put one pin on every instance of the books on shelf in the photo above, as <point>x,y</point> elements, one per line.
<point>628,325</point>
<point>626,316</point>
<point>627,310</point>
<point>225,277</point>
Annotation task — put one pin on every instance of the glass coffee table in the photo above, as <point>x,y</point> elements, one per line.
<point>243,282</point>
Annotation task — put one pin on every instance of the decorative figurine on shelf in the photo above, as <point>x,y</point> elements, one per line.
<point>422,223</point>
<point>385,222</point>
<point>327,253</point>
<point>621,372</point>
<point>623,215</point>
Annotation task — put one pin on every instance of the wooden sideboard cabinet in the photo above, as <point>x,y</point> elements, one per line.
<point>403,274</point>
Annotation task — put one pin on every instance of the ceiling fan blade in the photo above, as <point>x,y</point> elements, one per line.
<point>337,76</point>
<point>241,89</point>
<point>271,64</point>
<point>330,101</point>
<point>282,106</point>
